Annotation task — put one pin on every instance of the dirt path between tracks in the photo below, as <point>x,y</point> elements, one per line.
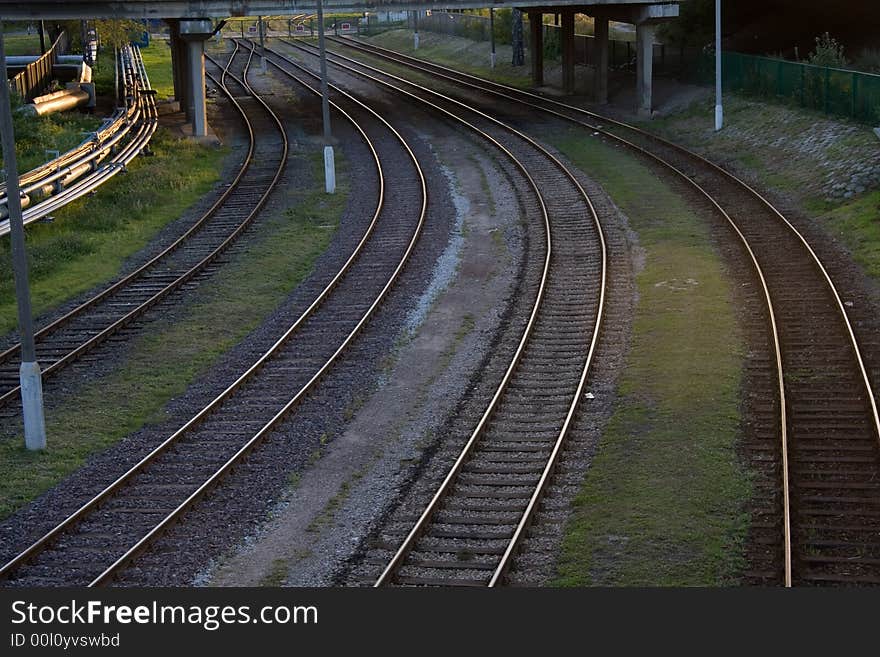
<point>328,508</point>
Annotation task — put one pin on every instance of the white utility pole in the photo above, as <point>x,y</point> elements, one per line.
<point>29,372</point>
<point>719,111</point>
<point>492,36</point>
<point>329,162</point>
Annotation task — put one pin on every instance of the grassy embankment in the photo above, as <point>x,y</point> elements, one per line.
<point>160,365</point>
<point>90,238</point>
<point>765,139</point>
<point>21,44</point>
<point>463,54</point>
<point>157,60</point>
<point>34,135</point>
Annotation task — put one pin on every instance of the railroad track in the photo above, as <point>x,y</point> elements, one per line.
<point>193,254</point>
<point>815,446</point>
<point>107,534</point>
<point>472,527</point>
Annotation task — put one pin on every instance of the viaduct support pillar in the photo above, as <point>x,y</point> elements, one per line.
<point>600,43</point>
<point>195,33</point>
<point>196,53</point>
<point>568,52</point>
<point>178,63</point>
<point>644,67</point>
<point>536,47</point>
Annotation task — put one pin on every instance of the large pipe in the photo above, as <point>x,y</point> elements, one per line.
<point>60,101</point>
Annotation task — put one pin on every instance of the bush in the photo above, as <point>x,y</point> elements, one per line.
<point>504,26</point>
<point>828,52</point>
<point>695,25</point>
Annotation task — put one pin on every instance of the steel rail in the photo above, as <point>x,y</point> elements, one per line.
<point>787,534</point>
<point>245,376</point>
<point>425,518</point>
<point>43,542</point>
<point>186,276</point>
<point>774,332</point>
<point>716,167</point>
<point>428,513</point>
<point>212,481</point>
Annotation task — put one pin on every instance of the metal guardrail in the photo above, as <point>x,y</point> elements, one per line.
<point>83,169</point>
<point>37,75</point>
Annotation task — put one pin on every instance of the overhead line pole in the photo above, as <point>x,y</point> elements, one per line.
<point>492,35</point>
<point>416,29</point>
<point>262,31</point>
<point>719,110</point>
<point>329,164</point>
<point>29,372</point>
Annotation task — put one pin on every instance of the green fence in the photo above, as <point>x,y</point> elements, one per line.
<point>834,91</point>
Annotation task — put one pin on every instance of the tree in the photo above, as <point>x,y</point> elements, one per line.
<point>117,33</point>
<point>517,38</point>
<point>828,52</point>
<point>695,25</point>
<point>112,33</point>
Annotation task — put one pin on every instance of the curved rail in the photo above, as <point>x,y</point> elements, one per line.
<point>510,93</point>
<point>136,549</point>
<point>44,541</point>
<point>132,278</point>
<point>429,512</point>
<point>250,373</point>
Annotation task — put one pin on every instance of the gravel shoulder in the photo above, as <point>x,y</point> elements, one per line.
<point>334,503</point>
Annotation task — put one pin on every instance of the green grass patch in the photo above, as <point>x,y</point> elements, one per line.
<point>857,223</point>
<point>90,238</point>
<point>663,501</point>
<point>34,135</point>
<point>157,61</point>
<point>462,54</point>
<point>277,573</point>
<point>23,44</point>
<point>159,366</point>
<point>765,138</point>
<point>104,73</point>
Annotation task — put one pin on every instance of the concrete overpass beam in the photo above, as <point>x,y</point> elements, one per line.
<point>568,51</point>
<point>644,67</point>
<point>536,47</point>
<point>600,43</point>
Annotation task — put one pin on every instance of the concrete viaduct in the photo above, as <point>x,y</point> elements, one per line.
<point>193,22</point>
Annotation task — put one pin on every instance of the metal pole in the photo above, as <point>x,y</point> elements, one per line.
<point>42,27</point>
<point>116,73</point>
<point>719,111</point>
<point>329,165</point>
<point>29,372</point>
<point>241,23</point>
<point>262,31</point>
<point>416,29</point>
<point>492,35</point>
